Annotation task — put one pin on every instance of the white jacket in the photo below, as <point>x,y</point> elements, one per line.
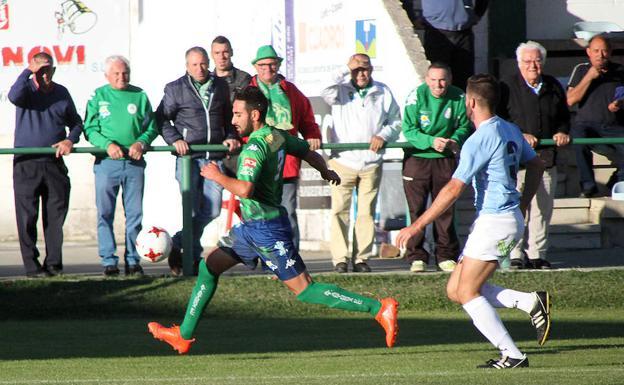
<point>357,119</point>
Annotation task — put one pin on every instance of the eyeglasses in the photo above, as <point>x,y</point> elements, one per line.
<point>266,65</point>
<point>537,62</point>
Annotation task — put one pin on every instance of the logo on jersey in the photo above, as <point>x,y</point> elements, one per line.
<point>447,113</point>
<point>274,141</point>
<point>103,110</point>
<point>249,163</point>
<point>252,147</point>
<point>425,121</point>
<point>132,108</point>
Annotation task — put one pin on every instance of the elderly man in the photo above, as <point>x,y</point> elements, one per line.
<point>596,87</point>
<point>363,110</point>
<point>537,104</point>
<point>196,109</point>
<point>291,111</point>
<point>119,119</point>
<point>43,110</point>
<point>435,122</point>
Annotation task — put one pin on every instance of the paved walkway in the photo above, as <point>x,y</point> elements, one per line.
<point>82,259</point>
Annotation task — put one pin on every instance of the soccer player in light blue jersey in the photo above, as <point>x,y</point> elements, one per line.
<point>490,159</point>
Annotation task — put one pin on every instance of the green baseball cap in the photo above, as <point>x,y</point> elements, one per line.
<point>266,52</point>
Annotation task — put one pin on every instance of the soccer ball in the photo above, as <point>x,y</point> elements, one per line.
<point>153,244</point>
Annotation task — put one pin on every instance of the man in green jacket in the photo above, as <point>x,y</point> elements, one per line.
<point>119,119</point>
<point>435,122</point>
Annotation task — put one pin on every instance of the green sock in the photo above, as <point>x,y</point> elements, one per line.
<point>339,298</point>
<point>203,291</point>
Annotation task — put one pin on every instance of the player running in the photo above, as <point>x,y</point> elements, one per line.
<point>265,232</point>
<point>491,158</point>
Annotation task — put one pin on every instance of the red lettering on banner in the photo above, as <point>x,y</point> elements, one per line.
<point>61,55</point>
<point>4,15</point>
<point>314,37</point>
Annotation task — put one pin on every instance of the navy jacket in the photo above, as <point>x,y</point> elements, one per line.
<point>182,115</point>
<point>41,118</point>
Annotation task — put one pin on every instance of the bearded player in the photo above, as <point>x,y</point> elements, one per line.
<point>265,233</point>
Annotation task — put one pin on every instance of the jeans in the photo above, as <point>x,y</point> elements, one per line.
<point>206,198</point>
<point>110,175</point>
<point>583,154</point>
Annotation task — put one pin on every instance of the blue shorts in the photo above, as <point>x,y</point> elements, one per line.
<point>271,242</point>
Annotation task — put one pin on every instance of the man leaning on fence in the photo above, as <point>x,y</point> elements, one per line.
<point>43,110</point>
<point>435,122</point>
<point>536,103</point>
<point>196,109</point>
<point>119,119</point>
<point>363,110</point>
<point>597,88</point>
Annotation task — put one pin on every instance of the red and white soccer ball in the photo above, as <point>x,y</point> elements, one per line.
<point>153,244</point>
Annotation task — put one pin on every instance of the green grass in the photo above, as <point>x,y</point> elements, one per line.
<point>91,331</point>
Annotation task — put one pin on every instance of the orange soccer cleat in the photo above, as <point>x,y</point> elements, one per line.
<point>387,318</point>
<point>171,336</point>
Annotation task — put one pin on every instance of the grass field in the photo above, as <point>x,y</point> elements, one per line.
<point>90,331</point>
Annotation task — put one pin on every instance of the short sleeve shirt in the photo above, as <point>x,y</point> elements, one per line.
<point>601,92</point>
<point>490,158</point>
<point>262,163</point>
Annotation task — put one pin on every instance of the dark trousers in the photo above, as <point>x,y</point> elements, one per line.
<point>36,181</point>
<point>422,177</point>
<point>583,153</point>
<point>455,49</point>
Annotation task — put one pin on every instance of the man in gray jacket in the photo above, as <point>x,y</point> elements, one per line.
<point>196,109</point>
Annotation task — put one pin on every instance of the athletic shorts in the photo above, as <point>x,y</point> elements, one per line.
<point>270,242</point>
<point>492,236</point>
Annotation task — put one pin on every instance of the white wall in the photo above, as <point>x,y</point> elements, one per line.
<point>155,35</point>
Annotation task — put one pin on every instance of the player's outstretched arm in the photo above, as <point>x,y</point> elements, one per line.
<point>445,199</point>
<point>316,160</point>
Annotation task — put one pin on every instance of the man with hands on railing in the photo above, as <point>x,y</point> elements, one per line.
<point>43,111</point>
<point>119,116</point>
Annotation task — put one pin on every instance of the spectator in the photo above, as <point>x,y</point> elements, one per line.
<point>289,110</point>
<point>363,110</point>
<point>537,104</point>
<point>448,34</point>
<point>593,86</point>
<point>222,52</point>
<point>196,109</point>
<point>435,122</point>
<point>43,110</point>
<point>119,119</point>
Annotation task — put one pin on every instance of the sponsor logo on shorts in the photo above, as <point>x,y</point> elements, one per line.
<point>279,246</point>
<point>271,265</point>
<point>290,263</point>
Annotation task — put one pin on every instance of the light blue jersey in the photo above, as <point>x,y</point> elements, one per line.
<point>490,158</point>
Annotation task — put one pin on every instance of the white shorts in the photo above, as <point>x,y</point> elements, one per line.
<point>492,236</point>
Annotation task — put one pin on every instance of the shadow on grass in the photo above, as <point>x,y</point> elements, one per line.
<point>129,337</point>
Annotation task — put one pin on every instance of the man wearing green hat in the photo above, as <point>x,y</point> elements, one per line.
<point>289,110</point>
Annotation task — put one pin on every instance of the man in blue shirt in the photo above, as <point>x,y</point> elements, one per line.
<point>490,158</point>
<point>43,110</point>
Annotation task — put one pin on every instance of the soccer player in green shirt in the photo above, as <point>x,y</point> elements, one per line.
<point>265,233</point>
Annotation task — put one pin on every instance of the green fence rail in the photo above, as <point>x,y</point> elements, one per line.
<point>187,206</point>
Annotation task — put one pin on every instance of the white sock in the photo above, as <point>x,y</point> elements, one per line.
<point>501,297</point>
<point>487,321</point>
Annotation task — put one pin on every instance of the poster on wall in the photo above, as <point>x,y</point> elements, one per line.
<point>79,35</point>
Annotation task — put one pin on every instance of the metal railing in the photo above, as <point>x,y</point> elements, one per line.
<point>187,204</point>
